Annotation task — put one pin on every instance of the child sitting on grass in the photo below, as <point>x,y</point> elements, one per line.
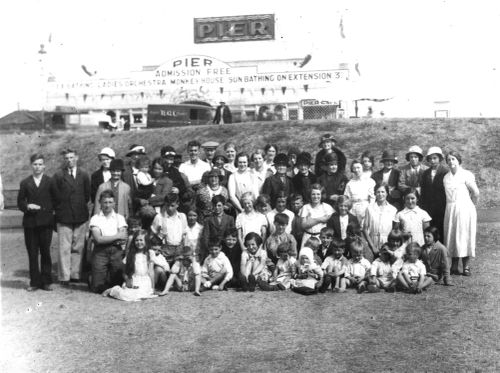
<point>334,267</point>
<point>216,271</point>
<point>358,269</point>
<point>381,272</point>
<point>185,273</point>
<point>412,276</point>
<point>161,268</point>
<point>435,257</point>
<point>253,263</point>
<point>139,277</point>
<point>282,275</point>
<point>307,276</point>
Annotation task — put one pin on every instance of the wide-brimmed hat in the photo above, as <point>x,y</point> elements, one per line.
<point>168,151</point>
<point>304,158</point>
<point>220,154</point>
<point>116,164</point>
<point>435,150</point>
<point>215,172</point>
<point>108,152</point>
<point>324,138</point>
<point>415,149</point>
<point>136,149</point>
<point>389,155</point>
<point>281,159</point>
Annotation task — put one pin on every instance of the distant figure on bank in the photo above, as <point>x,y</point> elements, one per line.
<point>223,114</point>
<point>72,194</point>
<point>35,200</point>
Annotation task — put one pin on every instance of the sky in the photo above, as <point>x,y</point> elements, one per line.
<point>414,51</point>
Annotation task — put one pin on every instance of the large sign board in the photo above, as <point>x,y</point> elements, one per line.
<point>206,73</point>
<point>234,28</point>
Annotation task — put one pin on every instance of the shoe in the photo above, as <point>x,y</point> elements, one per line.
<point>391,289</point>
<point>361,288</point>
<point>31,288</point>
<point>74,280</point>
<point>196,294</point>
<point>281,287</point>
<point>454,272</point>
<point>252,282</point>
<point>48,287</point>
<point>64,283</point>
<point>466,271</point>
<point>215,287</point>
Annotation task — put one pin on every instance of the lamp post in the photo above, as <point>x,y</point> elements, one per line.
<point>42,54</point>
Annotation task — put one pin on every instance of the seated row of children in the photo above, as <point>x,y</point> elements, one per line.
<point>400,266</point>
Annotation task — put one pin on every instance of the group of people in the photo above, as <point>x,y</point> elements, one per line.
<point>270,220</point>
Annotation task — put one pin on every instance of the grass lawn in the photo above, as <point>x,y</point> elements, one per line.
<point>476,138</point>
<point>71,330</point>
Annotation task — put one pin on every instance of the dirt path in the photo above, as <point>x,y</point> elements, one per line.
<point>72,330</point>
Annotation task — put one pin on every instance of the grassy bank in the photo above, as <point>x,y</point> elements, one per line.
<point>476,138</point>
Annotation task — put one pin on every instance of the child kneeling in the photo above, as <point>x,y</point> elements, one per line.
<point>185,274</point>
<point>412,276</point>
<point>282,275</point>
<point>216,271</point>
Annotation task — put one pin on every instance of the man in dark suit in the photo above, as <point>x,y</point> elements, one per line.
<point>129,174</point>
<point>102,174</point>
<point>35,200</point>
<point>72,194</point>
<point>223,114</point>
<point>389,176</point>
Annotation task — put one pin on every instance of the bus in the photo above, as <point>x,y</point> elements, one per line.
<point>176,115</point>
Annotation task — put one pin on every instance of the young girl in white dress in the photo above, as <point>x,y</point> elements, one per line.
<point>139,273</point>
<point>412,219</point>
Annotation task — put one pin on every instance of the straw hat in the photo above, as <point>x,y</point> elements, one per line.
<point>416,150</point>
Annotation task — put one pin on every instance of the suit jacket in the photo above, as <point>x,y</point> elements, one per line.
<point>212,230</point>
<point>302,184</point>
<point>128,177</point>
<point>71,196</point>
<point>42,196</point>
<point>408,180</point>
<point>122,200</point>
<point>96,179</point>
<point>334,223</point>
<point>433,196</point>
<point>273,185</point>
<point>226,115</point>
<point>394,197</point>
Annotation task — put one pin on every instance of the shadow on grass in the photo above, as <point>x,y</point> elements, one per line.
<point>13,284</point>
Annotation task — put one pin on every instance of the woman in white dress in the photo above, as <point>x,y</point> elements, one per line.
<point>360,191</point>
<point>259,171</point>
<point>378,219</point>
<point>460,217</point>
<point>241,182</point>
<point>314,215</point>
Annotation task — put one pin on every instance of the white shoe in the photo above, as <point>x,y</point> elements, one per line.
<point>207,284</point>
<point>215,287</point>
